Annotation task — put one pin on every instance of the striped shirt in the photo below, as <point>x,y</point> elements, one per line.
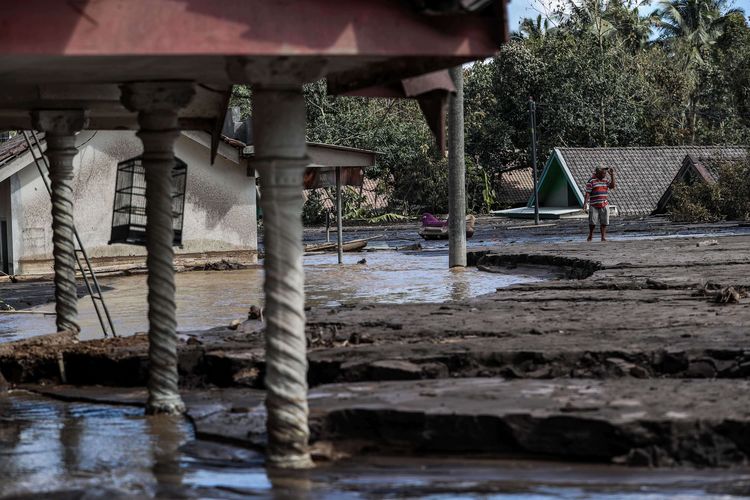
<point>598,189</point>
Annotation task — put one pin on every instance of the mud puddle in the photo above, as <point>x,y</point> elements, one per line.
<point>79,450</point>
<point>209,299</point>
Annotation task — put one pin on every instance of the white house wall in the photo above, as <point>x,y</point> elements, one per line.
<point>220,213</point>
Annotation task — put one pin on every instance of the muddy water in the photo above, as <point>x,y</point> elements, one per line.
<point>53,449</point>
<point>210,299</point>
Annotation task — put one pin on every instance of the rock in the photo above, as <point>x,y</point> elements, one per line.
<point>656,285</point>
<point>414,247</point>
<point>248,377</point>
<point>672,362</point>
<point>392,369</point>
<point>639,372</point>
<point>620,367</point>
<point>357,338</point>
<point>252,326</point>
<point>676,424</point>
<point>707,243</point>
<point>222,265</point>
<point>701,368</point>
<point>729,295</point>
<point>255,312</point>
<point>362,262</point>
<point>637,457</point>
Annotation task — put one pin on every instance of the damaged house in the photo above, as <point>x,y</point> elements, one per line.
<point>214,205</point>
<point>217,207</point>
<point>698,169</point>
<point>643,175</point>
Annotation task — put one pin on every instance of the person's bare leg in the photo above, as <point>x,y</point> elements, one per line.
<point>591,232</point>
<point>604,232</point>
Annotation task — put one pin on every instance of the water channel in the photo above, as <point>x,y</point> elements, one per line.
<point>206,299</point>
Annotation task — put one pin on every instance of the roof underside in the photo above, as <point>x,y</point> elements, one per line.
<point>642,174</point>
<point>57,54</point>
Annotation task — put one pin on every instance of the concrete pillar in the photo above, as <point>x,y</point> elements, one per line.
<point>60,128</point>
<point>157,104</point>
<point>456,174</point>
<point>280,157</point>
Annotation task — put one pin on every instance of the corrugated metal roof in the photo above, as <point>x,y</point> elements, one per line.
<point>643,174</point>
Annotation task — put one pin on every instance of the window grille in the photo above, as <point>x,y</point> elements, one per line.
<point>129,212</point>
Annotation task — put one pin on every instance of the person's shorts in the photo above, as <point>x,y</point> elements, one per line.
<point>599,216</point>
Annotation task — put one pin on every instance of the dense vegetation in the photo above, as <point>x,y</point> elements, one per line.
<point>727,198</point>
<point>603,74</point>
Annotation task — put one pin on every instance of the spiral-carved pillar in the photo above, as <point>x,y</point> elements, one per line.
<point>60,128</point>
<point>280,157</point>
<point>157,104</point>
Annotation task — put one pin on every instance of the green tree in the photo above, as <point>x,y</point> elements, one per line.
<point>689,29</point>
<point>532,29</point>
<point>634,30</point>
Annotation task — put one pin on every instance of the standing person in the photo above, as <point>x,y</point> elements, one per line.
<point>597,191</point>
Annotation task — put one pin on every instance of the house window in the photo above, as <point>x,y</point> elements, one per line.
<point>129,212</point>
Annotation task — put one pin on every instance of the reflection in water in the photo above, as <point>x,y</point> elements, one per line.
<point>97,451</point>
<point>291,485</point>
<point>460,284</point>
<point>167,435</point>
<point>209,299</point>
<point>62,447</point>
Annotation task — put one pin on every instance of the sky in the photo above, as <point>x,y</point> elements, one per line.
<point>519,9</point>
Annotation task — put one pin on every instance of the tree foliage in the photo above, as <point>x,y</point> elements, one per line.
<point>602,72</point>
<point>606,73</point>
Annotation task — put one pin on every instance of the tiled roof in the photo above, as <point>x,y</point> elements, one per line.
<point>12,148</point>
<point>642,173</point>
<point>515,186</point>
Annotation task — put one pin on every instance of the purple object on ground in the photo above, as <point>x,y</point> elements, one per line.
<point>429,220</point>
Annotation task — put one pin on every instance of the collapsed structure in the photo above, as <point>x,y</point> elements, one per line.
<point>162,67</point>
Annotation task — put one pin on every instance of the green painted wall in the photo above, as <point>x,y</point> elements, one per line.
<point>554,189</point>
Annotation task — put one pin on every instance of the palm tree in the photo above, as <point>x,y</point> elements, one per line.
<point>532,29</point>
<point>696,23</point>
<point>690,28</point>
<point>591,16</point>
<point>634,30</point>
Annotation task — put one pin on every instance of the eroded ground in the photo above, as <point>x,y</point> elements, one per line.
<point>637,356</point>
